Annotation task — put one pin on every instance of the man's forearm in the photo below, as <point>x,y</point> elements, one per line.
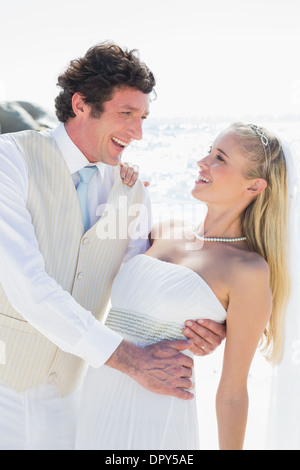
<point>124,358</point>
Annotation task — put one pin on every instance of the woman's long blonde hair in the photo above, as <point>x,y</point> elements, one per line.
<point>265,224</point>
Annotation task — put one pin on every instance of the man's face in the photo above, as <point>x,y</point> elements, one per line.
<point>105,138</point>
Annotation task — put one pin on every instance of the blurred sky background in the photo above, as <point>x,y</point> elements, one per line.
<point>210,57</point>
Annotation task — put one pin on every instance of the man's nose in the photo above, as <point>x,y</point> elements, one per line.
<point>136,129</point>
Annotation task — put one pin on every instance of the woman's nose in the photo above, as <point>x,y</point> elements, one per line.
<point>203,163</point>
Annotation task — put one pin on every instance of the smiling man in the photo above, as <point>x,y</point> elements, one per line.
<point>105,138</point>
<point>55,272</point>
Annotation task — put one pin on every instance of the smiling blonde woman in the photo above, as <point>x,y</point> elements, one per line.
<point>232,267</point>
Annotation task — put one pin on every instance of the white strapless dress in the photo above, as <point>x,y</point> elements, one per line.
<point>151,300</point>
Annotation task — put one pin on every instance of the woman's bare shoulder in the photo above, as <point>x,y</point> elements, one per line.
<point>250,271</point>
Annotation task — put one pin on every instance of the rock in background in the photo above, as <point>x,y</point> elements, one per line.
<point>17,116</point>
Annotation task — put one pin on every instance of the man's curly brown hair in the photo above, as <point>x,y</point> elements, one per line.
<point>105,68</point>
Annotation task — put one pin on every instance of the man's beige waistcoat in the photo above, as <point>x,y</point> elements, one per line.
<point>83,264</point>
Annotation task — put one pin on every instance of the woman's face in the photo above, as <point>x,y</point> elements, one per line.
<point>222,178</point>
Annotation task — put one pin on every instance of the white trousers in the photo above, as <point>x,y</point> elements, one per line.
<point>38,419</point>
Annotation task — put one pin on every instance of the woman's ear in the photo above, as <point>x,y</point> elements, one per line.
<point>257,186</point>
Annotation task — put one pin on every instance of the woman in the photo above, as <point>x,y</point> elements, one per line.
<point>233,266</point>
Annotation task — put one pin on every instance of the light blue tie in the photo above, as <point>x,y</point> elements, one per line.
<point>85,174</point>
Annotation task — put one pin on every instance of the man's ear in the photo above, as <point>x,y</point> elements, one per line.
<point>256,186</point>
<point>78,104</point>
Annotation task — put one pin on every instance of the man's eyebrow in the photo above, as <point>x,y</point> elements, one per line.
<point>132,108</point>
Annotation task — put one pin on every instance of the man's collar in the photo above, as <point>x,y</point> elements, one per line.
<point>74,158</point>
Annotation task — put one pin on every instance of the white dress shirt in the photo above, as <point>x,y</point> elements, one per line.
<point>36,296</point>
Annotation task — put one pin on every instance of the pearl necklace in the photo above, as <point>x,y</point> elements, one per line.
<point>215,239</point>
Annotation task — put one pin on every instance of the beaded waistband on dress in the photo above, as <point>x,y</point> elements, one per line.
<point>142,327</point>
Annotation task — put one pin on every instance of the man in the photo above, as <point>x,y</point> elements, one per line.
<point>56,270</point>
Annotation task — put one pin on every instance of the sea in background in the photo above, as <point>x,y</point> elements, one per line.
<point>167,158</point>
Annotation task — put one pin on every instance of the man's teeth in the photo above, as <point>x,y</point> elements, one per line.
<point>201,178</point>
<point>119,142</point>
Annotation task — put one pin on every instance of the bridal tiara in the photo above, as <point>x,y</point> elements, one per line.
<point>265,142</point>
